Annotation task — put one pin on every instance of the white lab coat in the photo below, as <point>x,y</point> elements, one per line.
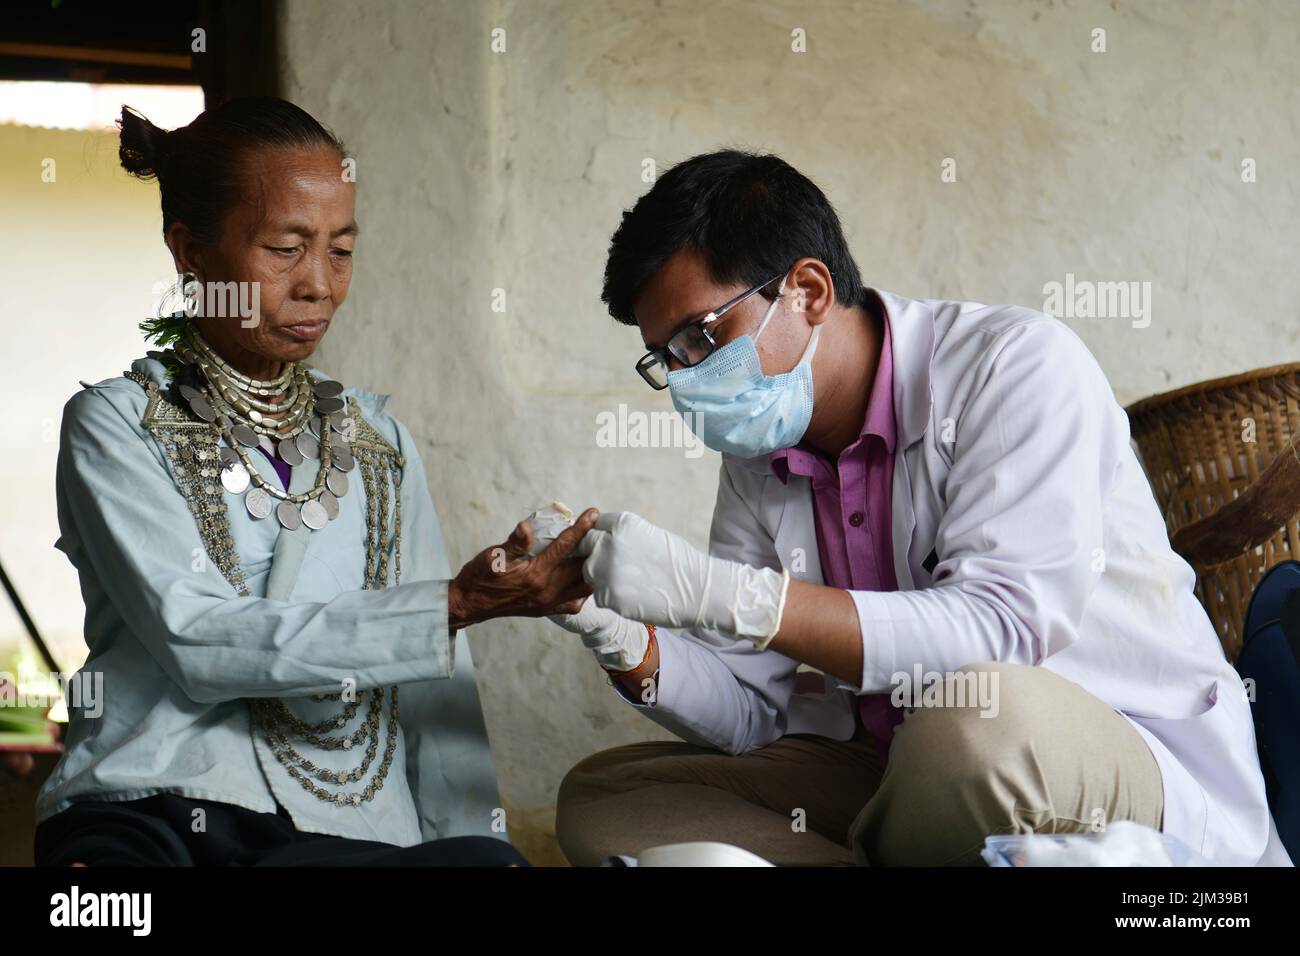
<point>1013,467</point>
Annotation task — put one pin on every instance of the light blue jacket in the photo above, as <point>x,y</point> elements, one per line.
<point>180,650</point>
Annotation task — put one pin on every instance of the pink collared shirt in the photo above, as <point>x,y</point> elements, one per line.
<point>852,515</point>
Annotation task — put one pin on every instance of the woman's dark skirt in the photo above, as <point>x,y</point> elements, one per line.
<point>161,831</point>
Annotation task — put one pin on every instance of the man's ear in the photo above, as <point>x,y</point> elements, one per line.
<point>812,290</point>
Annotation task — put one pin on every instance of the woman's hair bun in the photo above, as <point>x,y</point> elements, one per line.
<point>200,166</point>
<point>143,146</point>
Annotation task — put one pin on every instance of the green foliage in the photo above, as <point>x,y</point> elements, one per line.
<point>165,329</point>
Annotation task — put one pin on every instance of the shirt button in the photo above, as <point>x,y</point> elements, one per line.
<point>855,519</point>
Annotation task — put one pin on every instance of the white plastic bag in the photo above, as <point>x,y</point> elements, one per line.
<point>1122,843</point>
<point>548,524</point>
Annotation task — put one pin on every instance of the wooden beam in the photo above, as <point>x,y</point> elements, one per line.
<point>85,54</point>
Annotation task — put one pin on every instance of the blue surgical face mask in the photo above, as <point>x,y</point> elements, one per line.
<point>734,408</point>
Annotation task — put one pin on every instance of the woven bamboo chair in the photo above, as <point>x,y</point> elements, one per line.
<point>1223,458</point>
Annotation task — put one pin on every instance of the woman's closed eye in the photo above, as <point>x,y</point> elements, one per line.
<point>294,250</point>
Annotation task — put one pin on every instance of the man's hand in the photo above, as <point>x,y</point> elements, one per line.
<point>619,644</point>
<point>503,581</point>
<point>642,572</point>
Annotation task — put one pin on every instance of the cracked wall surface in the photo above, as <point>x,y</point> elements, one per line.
<point>480,171</point>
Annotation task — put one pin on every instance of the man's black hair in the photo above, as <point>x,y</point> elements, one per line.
<point>751,215</point>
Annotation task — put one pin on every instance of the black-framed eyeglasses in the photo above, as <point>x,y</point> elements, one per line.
<point>691,343</point>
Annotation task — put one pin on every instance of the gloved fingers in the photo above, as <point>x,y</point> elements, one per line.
<point>590,620</point>
<point>567,540</point>
<point>611,520</point>
<point>572,608</point>
<point>599,565</point>
<point>628,526</point>
<point>562,620</point>
<point>589,542</point>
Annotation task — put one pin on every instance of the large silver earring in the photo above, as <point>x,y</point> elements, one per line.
<point>190,297</point>
<point>174,301</point>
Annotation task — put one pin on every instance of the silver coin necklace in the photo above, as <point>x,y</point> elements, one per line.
<point>298,417</point>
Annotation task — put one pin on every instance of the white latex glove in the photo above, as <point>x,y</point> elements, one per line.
<point>642,572</point>
<point>617,643</point>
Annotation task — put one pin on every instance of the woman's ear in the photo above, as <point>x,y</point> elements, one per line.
<point>812,290</point>
<point>185,251</point>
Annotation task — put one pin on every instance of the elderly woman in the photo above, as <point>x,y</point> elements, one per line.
<point>261,563</point>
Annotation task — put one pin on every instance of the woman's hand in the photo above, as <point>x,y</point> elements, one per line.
<point>20,764</point>
<point>503,581</point>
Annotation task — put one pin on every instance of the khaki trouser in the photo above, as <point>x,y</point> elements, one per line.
<point>1054,759</point>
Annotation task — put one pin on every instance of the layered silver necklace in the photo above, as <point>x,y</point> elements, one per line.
<point>301,419</point>
<point>277,722</point>
<point>292,414</point>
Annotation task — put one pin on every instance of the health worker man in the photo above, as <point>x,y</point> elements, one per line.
<point>939,600</point>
